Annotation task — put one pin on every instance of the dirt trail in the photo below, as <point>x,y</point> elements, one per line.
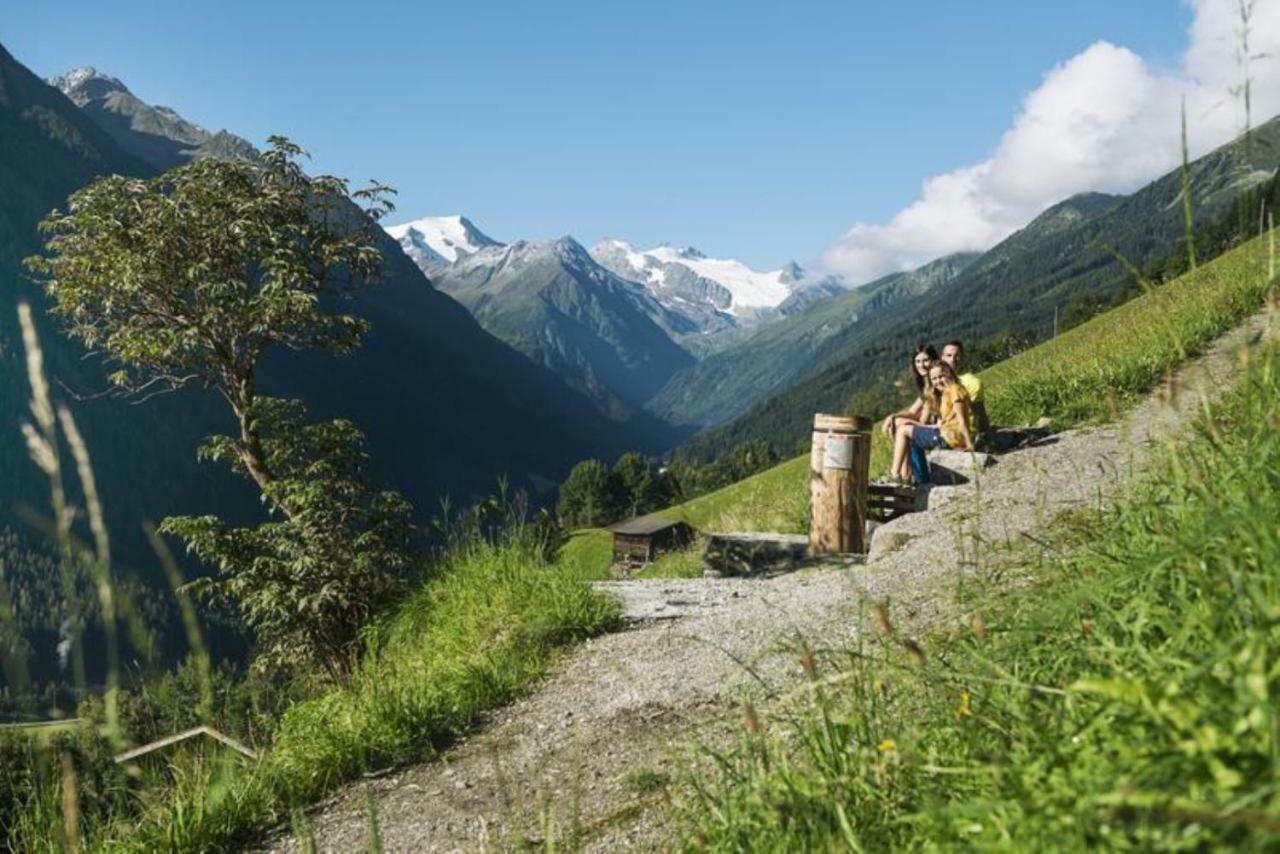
<point>585,752</point>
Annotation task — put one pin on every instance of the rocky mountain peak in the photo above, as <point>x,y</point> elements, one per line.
<point>85,83</point>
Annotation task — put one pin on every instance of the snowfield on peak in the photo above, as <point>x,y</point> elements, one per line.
<point>703,303</point>
<point>434,240</point>
<point>749,289</point>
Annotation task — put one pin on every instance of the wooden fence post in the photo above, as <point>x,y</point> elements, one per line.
<point>838,472</point>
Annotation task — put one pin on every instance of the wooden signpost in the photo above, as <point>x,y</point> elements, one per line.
<point>838,473</point>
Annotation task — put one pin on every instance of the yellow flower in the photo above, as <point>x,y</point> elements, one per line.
<point>887,746</point>
<point>964,710</point>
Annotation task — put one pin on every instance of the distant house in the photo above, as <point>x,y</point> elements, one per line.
<point>645,537</point>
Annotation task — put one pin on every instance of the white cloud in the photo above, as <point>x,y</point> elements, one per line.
<point>1106,119</point>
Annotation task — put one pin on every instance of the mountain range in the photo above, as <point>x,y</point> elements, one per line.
<point>447,408</point>
<point>554,303</point>
<point>615,323</point>
<point>770,347</point>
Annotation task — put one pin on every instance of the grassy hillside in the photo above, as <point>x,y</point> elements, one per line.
<point>1062,265</point>
<point>1124,698</point>
<point>1086,374</point>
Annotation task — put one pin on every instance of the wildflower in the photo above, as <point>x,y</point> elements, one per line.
<point>965,709</point>
<point>887,746</point>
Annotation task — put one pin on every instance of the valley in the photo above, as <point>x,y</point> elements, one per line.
<point>456,428</point>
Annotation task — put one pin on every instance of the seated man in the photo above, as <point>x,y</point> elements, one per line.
<point>979,425</point>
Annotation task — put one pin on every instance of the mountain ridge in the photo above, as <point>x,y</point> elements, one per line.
<point>728,382</point>
<point>156,134</point>
<point>553,302</point>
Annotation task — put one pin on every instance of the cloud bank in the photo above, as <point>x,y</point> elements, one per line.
<point>1106,119</point>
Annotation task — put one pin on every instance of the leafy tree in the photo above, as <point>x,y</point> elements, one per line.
<point>588,496</point>
<point>192,278</point>
<point>635,483</point>
<point>308,582</point>
<point>686,478</point>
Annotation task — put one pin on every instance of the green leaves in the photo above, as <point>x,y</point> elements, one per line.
<point>195,274</point>
<point>307,583</point>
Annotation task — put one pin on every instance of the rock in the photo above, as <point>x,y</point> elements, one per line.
<point>952,467</point>
<point>750,553</point>
<point>936,497</point>
<point>886,539</point>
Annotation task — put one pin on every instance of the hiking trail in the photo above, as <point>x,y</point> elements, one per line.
<point>599,736</point>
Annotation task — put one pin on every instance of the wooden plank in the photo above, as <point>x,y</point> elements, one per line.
<point>183,736</point>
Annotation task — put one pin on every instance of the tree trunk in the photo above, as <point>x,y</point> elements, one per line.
<point>252,453</point>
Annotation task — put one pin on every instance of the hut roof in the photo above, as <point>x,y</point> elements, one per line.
<point>651,524</point>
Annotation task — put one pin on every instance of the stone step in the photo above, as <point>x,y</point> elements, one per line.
<point>648,599</point>
<point>756,554</point>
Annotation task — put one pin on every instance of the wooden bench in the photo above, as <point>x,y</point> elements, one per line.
<point>885,501</point>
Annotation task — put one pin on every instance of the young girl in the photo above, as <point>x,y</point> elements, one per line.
<point>950,401</point>
<point>916,413</point>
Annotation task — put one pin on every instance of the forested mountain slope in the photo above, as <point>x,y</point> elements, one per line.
<point>554,303</point>
<point>727,383</point>
<point>447,407</point>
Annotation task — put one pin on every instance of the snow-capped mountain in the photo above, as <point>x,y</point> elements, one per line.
<point>686,275</point>
<point>723,299</point>
<point>434,241</point>
<point>601,333</point>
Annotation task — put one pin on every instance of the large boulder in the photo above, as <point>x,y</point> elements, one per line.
<point>955,467</point>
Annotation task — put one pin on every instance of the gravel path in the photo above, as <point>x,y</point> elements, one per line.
<point>585,755</point>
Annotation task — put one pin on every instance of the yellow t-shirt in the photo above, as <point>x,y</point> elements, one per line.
<point>973,385</point>
<point>949,414</point>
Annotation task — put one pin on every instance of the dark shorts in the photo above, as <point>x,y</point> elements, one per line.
<point>927,438</point>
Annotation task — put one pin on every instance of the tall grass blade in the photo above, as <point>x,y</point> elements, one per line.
<point>1188,215</point>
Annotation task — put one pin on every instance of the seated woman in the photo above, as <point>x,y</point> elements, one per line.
<point>916,413</point>
<point>951,403</point>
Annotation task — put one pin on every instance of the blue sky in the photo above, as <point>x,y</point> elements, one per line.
<point>755,130</point>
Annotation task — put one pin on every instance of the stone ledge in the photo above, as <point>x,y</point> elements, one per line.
<point>752,553</point>
<point>956,467</point>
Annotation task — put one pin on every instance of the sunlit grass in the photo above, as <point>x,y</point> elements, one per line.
<point>483,629</point>
<point>1124,700</point>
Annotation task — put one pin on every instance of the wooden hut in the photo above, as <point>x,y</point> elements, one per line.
<point>643,538</point>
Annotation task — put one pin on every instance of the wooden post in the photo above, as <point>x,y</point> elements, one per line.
<point>838,466</point>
